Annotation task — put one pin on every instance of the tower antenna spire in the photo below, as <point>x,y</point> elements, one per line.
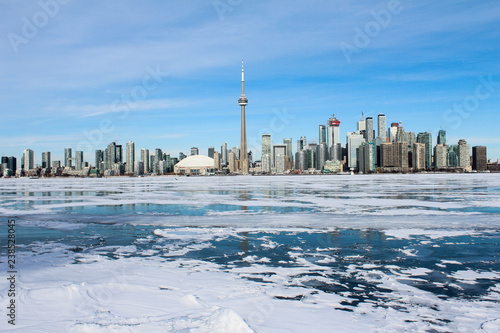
<point>243,101</point>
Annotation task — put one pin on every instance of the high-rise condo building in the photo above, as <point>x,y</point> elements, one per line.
<point>464,155</point>
<point>29,159</point>
<point>79,160</point>
<point>211,151</point>
<point>194,151</point>
<point>119,154</point>
<point>289,152</point>
<point>130,157</point>
<point>223,153</point>
<point>231,161</point>
<point>301,143</point>
<point>158,157</point>
<point>46,159</point>
<point>440,156</point>
<point>67,157</point>
<point>418,156</point>
<point>322,134</point>
<point>266,144</point>
<point>98,159</point>
<point>479,158</point>
<point>427,140</point>
<point>367,156</point>
<point>217,164</point>
<point>138,168</point>
<point>145,159</point>
<point>277,150</point>
<point>354,140</point>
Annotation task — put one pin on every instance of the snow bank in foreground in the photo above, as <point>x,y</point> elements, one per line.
<point>182,295</point>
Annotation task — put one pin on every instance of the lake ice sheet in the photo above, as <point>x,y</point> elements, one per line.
<point>381,253</point>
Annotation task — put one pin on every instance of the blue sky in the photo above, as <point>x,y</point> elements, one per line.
<point>166,74</point>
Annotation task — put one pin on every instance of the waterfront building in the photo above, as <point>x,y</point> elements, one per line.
<point>354,140</point>
<point>479,158</point>
<point>46,160</point>
<point>67,157</point>
<point>464,155</point>
<point>130,157</point>
<point>28,159</point>
<point>440,156</point>
<point>223,153</point>
<point>145,159</point>
<point>266,144</point>
<point>426,139</point>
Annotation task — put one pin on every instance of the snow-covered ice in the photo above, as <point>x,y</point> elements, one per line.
<point>371,253</point>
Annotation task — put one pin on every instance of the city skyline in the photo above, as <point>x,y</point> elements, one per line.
<point>428,65</point>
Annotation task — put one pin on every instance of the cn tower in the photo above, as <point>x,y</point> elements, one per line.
<point>243,101</point>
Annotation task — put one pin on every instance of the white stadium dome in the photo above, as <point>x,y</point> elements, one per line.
<point>195,164</point>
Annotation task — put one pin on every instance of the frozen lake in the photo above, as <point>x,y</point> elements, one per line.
<point>385,253</point>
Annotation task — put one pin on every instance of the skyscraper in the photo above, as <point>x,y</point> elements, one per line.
<point>278,150</point>
<point>243,101</point>
<point>145,159</point>
<point>158,157</point>
<point>12,164</point>
<point>236,151</point>
<point>29,159</point>
<point>393,132</point>
<point>139,168</point>
<point>382,131</point>
<point>223,153</point>
<point>130,157</point>
<point>440,156</point>
<point>322,155</point>
<point>266,144</point>
<point>110,156</point>
<point>427,139</point>
<point>119,154</point>
<point>217,164</point>
<point>367,156</point>
<point>418,156</point>
<point>333,139</point>
<point>354,140</point>
<point>301,143</point>
<point>194,151</point>
<point>46,159</point>
<point>79,160</point>
<point>98,159</point>
<point>369,137</point>
<point>464,155</point>
<point>289,153</point>
<point>479,159</point>
<point>231,161</point>
<point>67,157</point>
<point>441,139</point>
<point>211,151</point>
<point>266,163</point>
<point>322,134</point>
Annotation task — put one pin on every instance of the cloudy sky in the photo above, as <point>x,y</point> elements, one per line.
<point>166,74</point>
